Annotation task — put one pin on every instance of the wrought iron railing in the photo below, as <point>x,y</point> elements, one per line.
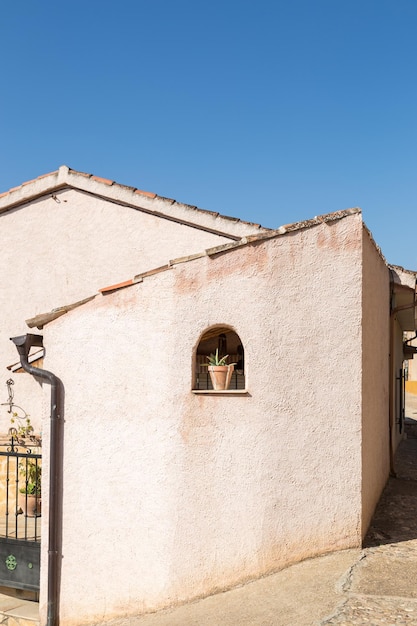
<point>20,491</point>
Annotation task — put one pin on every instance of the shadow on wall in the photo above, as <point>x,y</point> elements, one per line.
<point>395,518</point>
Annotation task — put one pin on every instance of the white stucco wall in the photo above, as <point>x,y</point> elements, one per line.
<point>54,253</point>
<point>170,495</point>
<point>57,250</point>
<point>375,377</point>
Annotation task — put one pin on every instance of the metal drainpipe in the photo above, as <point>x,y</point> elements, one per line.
<point>23,345</point>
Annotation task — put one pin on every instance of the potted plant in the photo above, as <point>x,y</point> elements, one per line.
<point>22,432</point>
<point>29,500</point>
<point>220,371</point>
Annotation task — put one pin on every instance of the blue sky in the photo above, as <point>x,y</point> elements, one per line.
<point>270,111</point>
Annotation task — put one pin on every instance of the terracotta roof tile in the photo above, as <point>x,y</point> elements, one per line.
<point>85,174</point>
<point>106,181</point>
<point>145,193</point>
<point>125,283</point>
<point>27,182</point>
<point>47,174</point>
<point>170,200</point>
<point>64,174</point>
<point>128,187</point>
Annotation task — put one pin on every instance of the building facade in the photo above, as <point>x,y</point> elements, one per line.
<point>173,491</point>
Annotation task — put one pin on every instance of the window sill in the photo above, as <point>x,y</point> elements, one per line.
<point>226,392</point>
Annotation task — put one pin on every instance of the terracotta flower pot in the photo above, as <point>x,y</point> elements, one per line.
<point>30,504</point>
<point>221,376</point>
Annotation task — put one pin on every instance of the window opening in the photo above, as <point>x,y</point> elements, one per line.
<point>225,341</point>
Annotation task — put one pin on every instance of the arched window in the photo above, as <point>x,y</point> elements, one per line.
<point>220,340</point>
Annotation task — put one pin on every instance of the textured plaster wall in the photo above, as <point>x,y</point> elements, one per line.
<point>375,377</point>
<point>170,495</point>
<point>57,251</point>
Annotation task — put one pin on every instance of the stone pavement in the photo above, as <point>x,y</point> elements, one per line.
<point>375,586</point>
<point>381,587</point>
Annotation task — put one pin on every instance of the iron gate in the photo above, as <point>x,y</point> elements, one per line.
<point>20,515</point>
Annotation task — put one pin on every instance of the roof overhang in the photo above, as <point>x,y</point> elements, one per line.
<point>53,184</point>
<point>403,297</point>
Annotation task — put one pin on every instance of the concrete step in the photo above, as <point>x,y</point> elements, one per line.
<point>15,611</point>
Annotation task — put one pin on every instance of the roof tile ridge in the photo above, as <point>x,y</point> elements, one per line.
<point>110,183</point>
<point>391,266</point>
<point>65,175</point>
<point>322,219</point>
<point>29,182</point>
<point>153,195</point>
<point>377,247</point>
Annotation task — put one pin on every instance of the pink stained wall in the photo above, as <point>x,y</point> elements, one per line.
<point>58,251</point>
<point>64,247</point>
<point>175,495</point>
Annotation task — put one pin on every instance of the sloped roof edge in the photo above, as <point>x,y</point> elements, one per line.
<point>41,320</point>
<point>66,177</point>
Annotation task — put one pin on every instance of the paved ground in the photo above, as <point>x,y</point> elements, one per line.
<point>371,587</point>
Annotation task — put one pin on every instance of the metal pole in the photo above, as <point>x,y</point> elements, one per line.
<point>23,345</point>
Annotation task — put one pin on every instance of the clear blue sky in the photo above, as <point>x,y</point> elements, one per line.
<point>273,111</point>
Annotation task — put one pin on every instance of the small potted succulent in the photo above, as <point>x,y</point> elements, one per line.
<point>220,371</point>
